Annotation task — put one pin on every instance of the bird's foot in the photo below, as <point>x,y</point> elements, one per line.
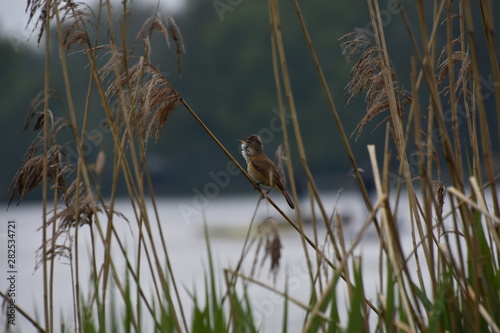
<point>262,191</point>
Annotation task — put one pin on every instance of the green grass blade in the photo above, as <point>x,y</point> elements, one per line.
<point>333,325</point>
<point>356,320</point>
<point>284,325</point>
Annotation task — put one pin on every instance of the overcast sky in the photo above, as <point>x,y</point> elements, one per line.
<point>13,19</point>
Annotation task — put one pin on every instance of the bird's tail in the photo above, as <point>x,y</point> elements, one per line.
<point>287,197</point>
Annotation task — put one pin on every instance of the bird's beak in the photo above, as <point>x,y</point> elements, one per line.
<point>243,142</point>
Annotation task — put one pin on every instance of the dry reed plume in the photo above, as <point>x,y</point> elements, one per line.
<point>148,99</point>
<point>29,175</point>
<point>136,101</point>
<point>367,78</point>
<point>269,241</point>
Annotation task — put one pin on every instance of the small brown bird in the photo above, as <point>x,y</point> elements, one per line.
<point>261,168</point>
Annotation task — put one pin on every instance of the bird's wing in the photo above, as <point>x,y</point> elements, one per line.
<point>266,164</point>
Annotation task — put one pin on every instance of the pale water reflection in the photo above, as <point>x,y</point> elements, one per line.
<point>228,219</point>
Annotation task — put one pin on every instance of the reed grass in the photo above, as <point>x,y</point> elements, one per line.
<point>448,282</point>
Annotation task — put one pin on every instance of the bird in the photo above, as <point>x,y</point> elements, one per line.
<point>261,168</point>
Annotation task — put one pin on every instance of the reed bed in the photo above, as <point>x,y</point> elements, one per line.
<point>438,154</point>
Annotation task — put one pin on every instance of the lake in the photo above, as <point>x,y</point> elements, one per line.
<point>228,219</point>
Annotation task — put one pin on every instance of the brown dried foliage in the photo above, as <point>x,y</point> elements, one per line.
<point>143,98</point>
<point>269,240</point>
<point>36,107</point>
<point>367,77</point>
<point>439,189</point>
<point>81,209</point>
<point>37,12</point>
<point>29,175</point>
<point>462,60</point>
<point>73,34</point>
<point>54,250</point>
<point>167,27</point>
<point>142,95</point>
